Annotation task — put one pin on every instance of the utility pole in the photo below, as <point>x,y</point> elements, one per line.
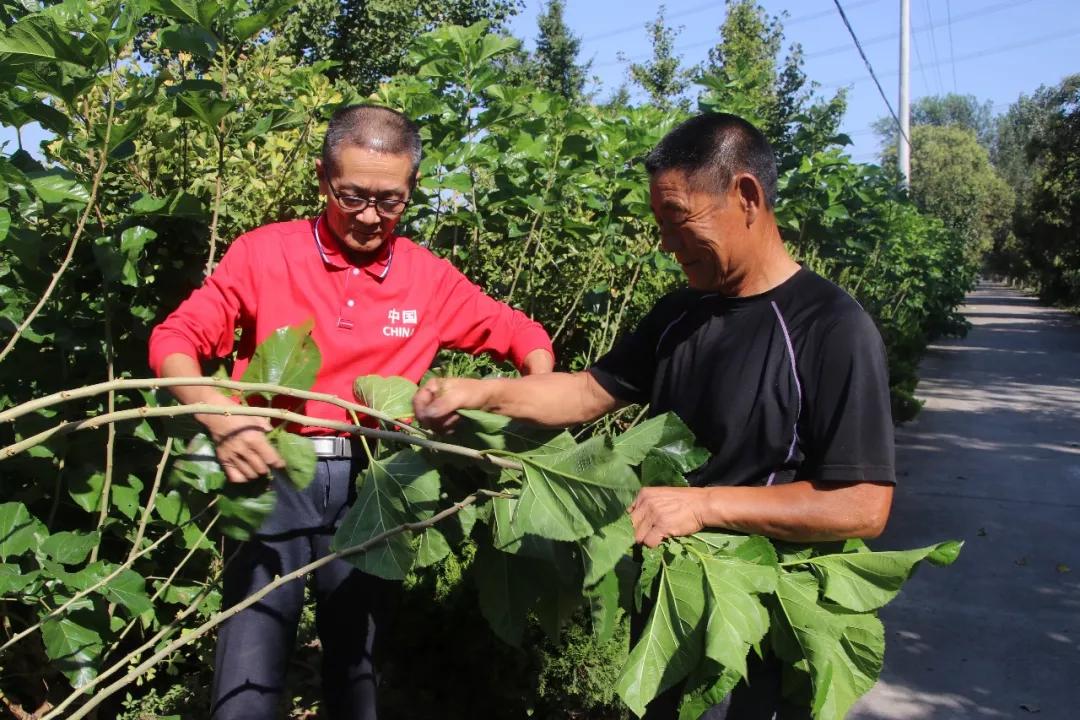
<point>904,147</point>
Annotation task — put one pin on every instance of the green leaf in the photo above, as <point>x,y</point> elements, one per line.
<point>652,560</point>
<point>603,599</point>
<point>664,446</point>
<point>705,688</point>
<point>842,650</point>
<point>57,188</point>
<point>736,618</point>
<point>74,645</point>
<point>189,38</point>
<point>866,581</point>
<point>198,466</point>
<point>126,497</point>
<point>398,489</point>
<point>671,645</point>
<point>37,37</point>
<point>70,548</point>
<point>569,494</point>
<point>200,12</point>
<point>19,530</point>
<point>268,13</point>
<point>5,223</point>
<point>244,507</point>
<point>288,357</point>
<point>129,590</point>
<point>506,589</point>
<point>602,551</point>
<point>13,580</point>
<point>391,396</point>
<point>432,548</point>
<point>204,107</point>
<point>298,452</point>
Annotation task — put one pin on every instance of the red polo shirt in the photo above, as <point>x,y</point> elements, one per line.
<point>388,316</point>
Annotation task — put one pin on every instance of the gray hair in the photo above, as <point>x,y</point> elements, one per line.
<point>373,127</point>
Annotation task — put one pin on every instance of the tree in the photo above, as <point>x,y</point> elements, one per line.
<point>952,179</point>
<point>369,41</point>
<point>556,54</point>
<point>745,75</point>
<point>950,110</point>
<point>662,75</point>
<point>1048,219</point>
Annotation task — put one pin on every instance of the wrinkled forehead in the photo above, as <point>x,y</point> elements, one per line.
<point>371,169</point>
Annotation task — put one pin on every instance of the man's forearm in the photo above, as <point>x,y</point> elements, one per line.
<point>800,511</point>
<point>181,365</point>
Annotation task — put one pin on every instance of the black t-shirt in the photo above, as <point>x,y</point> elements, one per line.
<point>790,384</point>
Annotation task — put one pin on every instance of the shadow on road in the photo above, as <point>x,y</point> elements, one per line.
<point>994,460</point>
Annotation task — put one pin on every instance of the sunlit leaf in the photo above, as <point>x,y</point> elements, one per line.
<point>287,357</point>
<point>19,530</point>
<point>389,395</point>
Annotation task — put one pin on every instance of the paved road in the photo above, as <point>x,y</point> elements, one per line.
<point>992,459</point>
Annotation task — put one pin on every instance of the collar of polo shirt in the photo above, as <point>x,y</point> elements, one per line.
<point>331,254</point>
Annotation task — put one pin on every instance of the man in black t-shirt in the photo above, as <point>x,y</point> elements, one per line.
<point>777,371</point>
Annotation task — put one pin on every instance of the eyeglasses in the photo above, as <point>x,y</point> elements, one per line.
<point>387,207</point>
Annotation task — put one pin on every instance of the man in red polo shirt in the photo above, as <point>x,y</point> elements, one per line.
<point>382,305</point>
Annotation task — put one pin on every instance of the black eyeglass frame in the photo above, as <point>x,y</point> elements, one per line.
<point>357,204</point>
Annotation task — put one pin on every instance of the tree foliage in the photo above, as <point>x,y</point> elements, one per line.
<point>662,76</point>
<point>153,166</point>
<point>556,54</point>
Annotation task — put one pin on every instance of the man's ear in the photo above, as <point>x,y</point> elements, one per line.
<point>751,196</point>
<point>320,172</point>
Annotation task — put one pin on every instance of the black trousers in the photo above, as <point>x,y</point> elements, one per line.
<point>352,608</point>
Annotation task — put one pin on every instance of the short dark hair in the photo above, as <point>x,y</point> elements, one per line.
<point>712,148</point>
<point>373,127</point>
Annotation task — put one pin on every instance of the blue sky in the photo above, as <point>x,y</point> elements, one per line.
<point>993,49</point>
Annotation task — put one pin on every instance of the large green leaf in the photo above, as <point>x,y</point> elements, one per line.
<point>287,357</point>
<point>19,530</point>
<point>198,466</point>
<point>507,590</point>
<point>74,645</point>
<point>189,38</point>
<point>128,589</point>
<point>37,37</point>
<point>707,686</point>
<point>664,447</point>
<point>205,107</point>
<point>398,489</point>
<point>70,548</point>
<point>602,551</point>
<point>672,644</point>
<point>391,396</point>
<point>736,618</point>
<point>298,452</point>
<point>125,496</point>
<point>56,188</point>
<point>268,13</point>
<point>5,223</point>
<point>431,548</point>
<point>866,581</point>
<point>570,494</point>
<point>200,12</point>
<point>843,650</point>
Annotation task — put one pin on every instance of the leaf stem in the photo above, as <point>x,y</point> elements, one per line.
<point>156,383</point>
<point>66,427</point>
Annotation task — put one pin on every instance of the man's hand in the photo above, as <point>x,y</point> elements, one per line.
<point>436,404</point>
<point>241,446</point>
<point>663,512</point>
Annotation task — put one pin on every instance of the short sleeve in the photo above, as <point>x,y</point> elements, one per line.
<point>628,370</point>
<point>848,433</point>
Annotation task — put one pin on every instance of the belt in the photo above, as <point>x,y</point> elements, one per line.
<point>332,446</point>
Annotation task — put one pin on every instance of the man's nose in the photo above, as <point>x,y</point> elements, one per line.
<point>369,215</point>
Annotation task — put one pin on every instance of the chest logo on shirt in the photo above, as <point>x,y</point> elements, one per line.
<point>401,323</point>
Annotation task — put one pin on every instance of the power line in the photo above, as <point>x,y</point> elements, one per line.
<point>636,27</point>
<point>979,54</point>
<point>933,47</point>
<point>918,28</point>
<point>870,69</point>
<point>952,46</point>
